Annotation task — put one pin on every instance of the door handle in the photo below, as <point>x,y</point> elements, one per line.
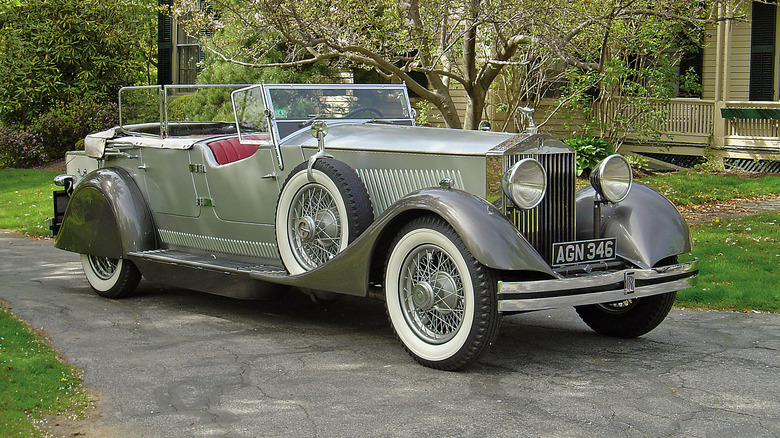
<point>143,167</point>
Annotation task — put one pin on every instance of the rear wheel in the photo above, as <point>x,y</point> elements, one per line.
<point>441,302</point>
<point>110,278</point>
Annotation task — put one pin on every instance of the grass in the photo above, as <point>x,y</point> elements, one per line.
<point>697,188</point>
<point>34,381</point>
<point>25,200</point>
<point>739,265</point>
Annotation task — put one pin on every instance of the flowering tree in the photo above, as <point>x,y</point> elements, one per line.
<point>462,43</point>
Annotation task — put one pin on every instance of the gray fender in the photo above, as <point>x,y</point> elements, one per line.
<point>107,217</point>
<point>490,237</point>
<point>648,228</point>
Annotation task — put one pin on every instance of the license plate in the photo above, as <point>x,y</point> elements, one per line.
<point>583,251</point>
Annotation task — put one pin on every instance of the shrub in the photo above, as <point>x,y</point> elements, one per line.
<point>590,151</point>
<point>20,148</point>
<point>63,126</point>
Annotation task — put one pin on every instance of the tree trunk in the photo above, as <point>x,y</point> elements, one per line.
<point>475,108</point>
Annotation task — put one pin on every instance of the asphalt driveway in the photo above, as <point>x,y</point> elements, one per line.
<point>178,363</point>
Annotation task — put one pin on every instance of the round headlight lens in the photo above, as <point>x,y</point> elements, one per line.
<point>525,183</point>
<point>612,178</point>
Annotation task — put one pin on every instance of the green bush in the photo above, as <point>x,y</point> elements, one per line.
<point>590,151</point>
<point>63,126</point>
<point>54,51</point>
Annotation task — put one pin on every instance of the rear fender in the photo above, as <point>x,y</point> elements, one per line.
<point>648,228</point>
<point>107,217</point>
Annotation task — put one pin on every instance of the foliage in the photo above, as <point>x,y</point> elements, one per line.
<point>26,200</point>
<point>33,379</point>
<point>454,42</point>
<point>590,151</point>
<point>54,51</point>
<point>20,148</point>
<point>738,265</point>
<point>637,162</point>
<point>64,127</point>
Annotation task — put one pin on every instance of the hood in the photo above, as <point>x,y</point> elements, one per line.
<point>379,137</point>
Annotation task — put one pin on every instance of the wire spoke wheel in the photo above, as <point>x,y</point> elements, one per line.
<point>104,267</point>
<point>109,277</point>
<point>432,296</point>
<point>440,301</point>
<point>320,213</point>
<point>314,226</point>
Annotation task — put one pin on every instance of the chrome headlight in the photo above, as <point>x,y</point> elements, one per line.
<point>525,183</point>
<point>612,178</point>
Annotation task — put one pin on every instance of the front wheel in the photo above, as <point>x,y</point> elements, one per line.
<point>110,278</point>
<point>441,302</point>
<point>629,318</point>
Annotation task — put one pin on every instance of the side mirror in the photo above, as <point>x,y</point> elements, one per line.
<point>484,125</point>
<point>317,128</point>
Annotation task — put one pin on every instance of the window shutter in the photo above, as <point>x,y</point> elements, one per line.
<point>164,47</point>
<point>762,51</point>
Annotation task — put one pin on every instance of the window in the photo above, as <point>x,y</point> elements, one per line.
<point>762,51</point>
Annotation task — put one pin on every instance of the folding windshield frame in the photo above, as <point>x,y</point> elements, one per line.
<point>274,127</point>
<point>162,106</point>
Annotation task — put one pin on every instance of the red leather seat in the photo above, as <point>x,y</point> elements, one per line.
<point>230,149</point>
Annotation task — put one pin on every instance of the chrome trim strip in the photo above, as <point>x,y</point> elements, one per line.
<point>222,245</point>
<point>593,289</point>
<point>386,186</point>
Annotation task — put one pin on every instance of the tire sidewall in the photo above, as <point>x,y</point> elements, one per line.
<point>97,283</point>
<point>403,247</point>
<point>292,187</point>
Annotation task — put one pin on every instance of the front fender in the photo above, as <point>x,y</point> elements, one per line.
<point>648,228</point>
<point>488,234</point>
<point>106,216</point>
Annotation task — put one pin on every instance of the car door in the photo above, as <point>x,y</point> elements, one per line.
<point>169,181</point>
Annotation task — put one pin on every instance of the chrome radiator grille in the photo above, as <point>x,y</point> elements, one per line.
<point>553,220</point>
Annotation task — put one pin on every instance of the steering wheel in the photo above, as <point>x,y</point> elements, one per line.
<point>362,109</point>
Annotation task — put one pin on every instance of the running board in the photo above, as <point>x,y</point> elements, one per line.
<point>181,258</point>
<point>237,279</point>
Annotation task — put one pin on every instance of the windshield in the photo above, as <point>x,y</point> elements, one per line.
<point>296,106</point>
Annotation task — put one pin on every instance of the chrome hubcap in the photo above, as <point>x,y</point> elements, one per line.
<point>431,294</point>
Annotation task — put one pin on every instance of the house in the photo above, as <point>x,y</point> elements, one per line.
<point>736,118</point>
<point>178,53</point>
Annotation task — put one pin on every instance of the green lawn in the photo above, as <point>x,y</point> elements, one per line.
<point>696,188</point>
<point>34,381</point>
<point>739,265</point>
<point>25,200</point>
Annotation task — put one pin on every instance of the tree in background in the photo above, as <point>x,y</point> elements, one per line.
<point>58,51</point>
<point>455,43</point>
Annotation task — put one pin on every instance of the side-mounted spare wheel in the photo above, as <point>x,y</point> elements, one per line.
<point>441,302</point>
<point>319,214</point>
<point>110,278</point>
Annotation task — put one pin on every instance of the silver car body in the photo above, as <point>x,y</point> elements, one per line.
<point>162,199</point>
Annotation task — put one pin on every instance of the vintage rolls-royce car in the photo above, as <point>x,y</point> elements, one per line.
<point>332,189</point>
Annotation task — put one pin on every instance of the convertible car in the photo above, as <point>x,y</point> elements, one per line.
<point>331,189</point>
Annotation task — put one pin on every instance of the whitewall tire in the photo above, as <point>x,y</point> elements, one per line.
<point>317,218</point>
<point>110,278</point>
<point>440,301</point>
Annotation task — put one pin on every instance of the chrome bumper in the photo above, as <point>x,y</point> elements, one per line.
<point>595,288</point>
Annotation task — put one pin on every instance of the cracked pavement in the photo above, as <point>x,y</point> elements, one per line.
<point>177,363</point>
